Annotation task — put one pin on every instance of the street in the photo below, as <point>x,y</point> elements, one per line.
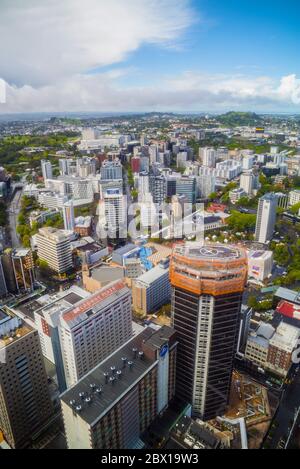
<point>13,213</point>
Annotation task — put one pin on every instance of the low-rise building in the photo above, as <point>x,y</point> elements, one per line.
<point>258,344</point>
<point>260,264</point>
<point>282,346</point>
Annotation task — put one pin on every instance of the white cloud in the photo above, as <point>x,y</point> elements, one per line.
<point>103,92</point>
<point>50,48</point>
<point>44,41</point>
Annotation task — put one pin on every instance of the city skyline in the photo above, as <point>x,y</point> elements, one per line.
<point>149,56</point>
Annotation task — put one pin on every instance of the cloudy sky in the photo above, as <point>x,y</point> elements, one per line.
<point>145,55</point>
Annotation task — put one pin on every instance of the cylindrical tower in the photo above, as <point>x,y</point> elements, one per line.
<point>208,284</point>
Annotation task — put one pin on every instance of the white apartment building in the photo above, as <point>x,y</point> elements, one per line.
<point>46,169</point>
<point>248,161</point>
<point>69,216</point>
<point>113,212</point>
<point>95,328</point>
<point>247,182</point>
<point>51,199</point>
<point>111,169</point>
<point>143,184</point>
<point>266,218</point>
<point>209,157</point>
<point>260,264</point>
<point>54,247</point>
<point>236,194</point>
<point>294,197</point>
<point>206,185</point>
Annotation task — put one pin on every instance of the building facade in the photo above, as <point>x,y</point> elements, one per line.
<point>208,283</point>
<point>112,406</point>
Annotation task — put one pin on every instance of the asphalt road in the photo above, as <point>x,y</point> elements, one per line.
<point>13,213</point>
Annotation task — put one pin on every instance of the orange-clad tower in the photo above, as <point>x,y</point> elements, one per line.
<point>208,284</point>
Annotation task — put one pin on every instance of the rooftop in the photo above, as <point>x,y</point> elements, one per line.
<point>12,328</point>
<point>289,295</point>
<point>289,310</point>
<point>154,274</point>
<point>106,384</point>
<point>88,306</point>
<point>107,274</point>
<point>209,252</point>
<point>285,337</point>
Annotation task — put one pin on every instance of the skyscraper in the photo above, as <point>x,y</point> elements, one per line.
<point>69,216</point>
<point>25,404</point>
<point>266,218</point>
<point>46,169</point>
<point>208,284</point>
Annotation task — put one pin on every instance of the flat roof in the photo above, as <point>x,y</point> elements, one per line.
<point>100,299</point>
<point>289,295</point>
<point>107,274</point>
<point>153,274</point>
<point>209,252</point>
<point>105,392</point>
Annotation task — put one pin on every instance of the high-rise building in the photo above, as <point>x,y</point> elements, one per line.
<point>209,157</point>
<point>25,404</point>
<point>113,405</point>
<point>47,320</point>
<point>158,189</point>
<point>247,182</point>
<point>113,213</point>
<point>46,169</point>
<point>186,185</point>
<point>18,270</point>
<point>69,216</point>
<point>248,162</point>
<point>206,185</point>
<point>54,247</point>
<point>208,284</point>
<point>135,164</point>
<point>143,185</point>
<point>111,169</point>
<point>152,290</point>
<point>95,328</point>
<point>266,218</point>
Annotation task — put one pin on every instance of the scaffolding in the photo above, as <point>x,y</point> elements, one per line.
<point>217,271</point>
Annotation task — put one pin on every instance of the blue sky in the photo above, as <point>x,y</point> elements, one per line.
<point>229,36</point>
<point>144,55</point>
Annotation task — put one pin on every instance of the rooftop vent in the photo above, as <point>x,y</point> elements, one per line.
<point>113,369</point>
<point>124,360</point>
<point>106,376</point>
<point>79,408</point>
<point>72,403</point>
<point>88,400</point>
<point>112,379</point>
<point>98,391</point>
<point>119,374</point>
<point>81,395</point>
<point>130,364</point>
<point>141,355</point>
<point>134,351</point>
<point>92,386</point>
